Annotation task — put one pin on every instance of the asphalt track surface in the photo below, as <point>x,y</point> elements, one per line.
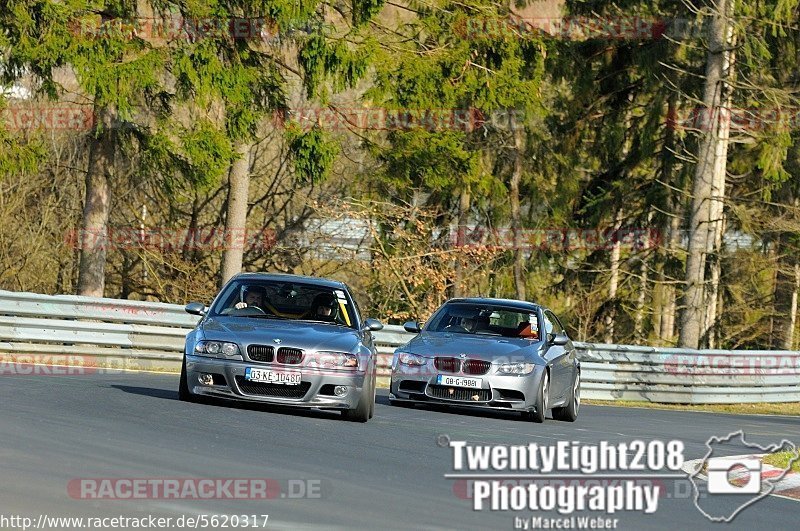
<point>386,474</point>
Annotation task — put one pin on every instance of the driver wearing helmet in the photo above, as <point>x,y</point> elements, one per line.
<point>324,307</point>
<point>254,296</point>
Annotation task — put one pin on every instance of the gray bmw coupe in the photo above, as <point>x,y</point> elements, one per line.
<point>490,353</point>
<point>283,339</point>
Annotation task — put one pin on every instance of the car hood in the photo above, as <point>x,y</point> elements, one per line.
<point>431,344</point>
<point>306,336</point>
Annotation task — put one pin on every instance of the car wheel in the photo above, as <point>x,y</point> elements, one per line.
<point>570,412</point>
<point>374,393</point>
<point>542,399</point>
<point>183,387</point>
<point>361,412</point>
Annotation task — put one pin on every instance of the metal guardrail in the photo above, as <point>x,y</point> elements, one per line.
<point>150,336</point>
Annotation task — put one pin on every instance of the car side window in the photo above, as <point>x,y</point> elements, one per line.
<point>548,323</point>
<point>556,321</point>
<point>357,308</point>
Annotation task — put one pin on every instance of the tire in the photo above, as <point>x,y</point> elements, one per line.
<point>569,412</point>
<point>184,395</point>
<point>538,416</point>
<point>374,392</point>
<point>361,411</point>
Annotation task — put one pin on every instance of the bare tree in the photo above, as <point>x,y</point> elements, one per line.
<point>236,213</point>
<point>94,227</point>
<point>519,256</point>
<point>709,175</point>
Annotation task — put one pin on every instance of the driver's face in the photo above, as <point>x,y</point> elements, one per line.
<point>253,298</point>
<point>323,310</point>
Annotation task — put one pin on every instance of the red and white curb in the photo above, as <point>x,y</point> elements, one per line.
<point>787,487</point>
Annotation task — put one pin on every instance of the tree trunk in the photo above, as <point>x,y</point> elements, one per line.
<point>711,161</point>
<point>670,298</point>
<point>236,213</point>
<point>717,212</point>
<point>664,291</point>
<point>782,257</point>
<point>713,295</point>
<point>97,206</point>
<point>788,341</point>
<point>613,282</point>
<point>658,298</point>
<point>461,235</point>
<point>638,323</point>
<point>639,320</point>
<point>516,226</point>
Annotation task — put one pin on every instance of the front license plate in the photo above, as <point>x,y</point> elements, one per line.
<point>459,381</point>
<point>265,376</point>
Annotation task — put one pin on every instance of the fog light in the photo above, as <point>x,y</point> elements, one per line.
<point>206,379</point>
<point>340,390</point>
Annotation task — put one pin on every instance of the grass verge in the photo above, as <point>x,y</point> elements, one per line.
<point>778,408</point>
<point>781,460</point>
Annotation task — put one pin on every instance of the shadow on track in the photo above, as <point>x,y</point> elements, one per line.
<point>148,391</point>
<point>383,399</point>
<point>169,394</point>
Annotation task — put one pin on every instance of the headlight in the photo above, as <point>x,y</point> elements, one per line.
<point>406,358</point>
<point>217,349</point>
<point>516,368</point>
<point>333,360</point>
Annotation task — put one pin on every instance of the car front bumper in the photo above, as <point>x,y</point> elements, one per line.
<point>497,391</point>
<point>229,382</point>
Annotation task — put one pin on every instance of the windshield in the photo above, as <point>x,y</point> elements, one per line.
<point>485,320</point>
<point>269,299</point>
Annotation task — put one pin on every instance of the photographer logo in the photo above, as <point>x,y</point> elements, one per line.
<point>740,476</point>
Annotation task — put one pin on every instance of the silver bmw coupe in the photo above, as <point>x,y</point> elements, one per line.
<point>490,353</point>
<point>283,339</point>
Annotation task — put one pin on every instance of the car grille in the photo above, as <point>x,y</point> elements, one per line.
<point>290,356</point>
<point>459,393</point>
<point>447,364</point>
<point>262,353</point>
<point>270,389</point>
<point>476,367</point>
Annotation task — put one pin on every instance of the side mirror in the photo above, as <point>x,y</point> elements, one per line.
<point>412,326</point>
<point>195,308</point>
<point>372,325</point>
<point>560,339</point>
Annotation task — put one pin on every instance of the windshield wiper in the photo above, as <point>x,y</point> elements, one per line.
<point>263,316</point>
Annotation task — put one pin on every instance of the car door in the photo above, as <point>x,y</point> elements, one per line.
<point>558,357</point>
